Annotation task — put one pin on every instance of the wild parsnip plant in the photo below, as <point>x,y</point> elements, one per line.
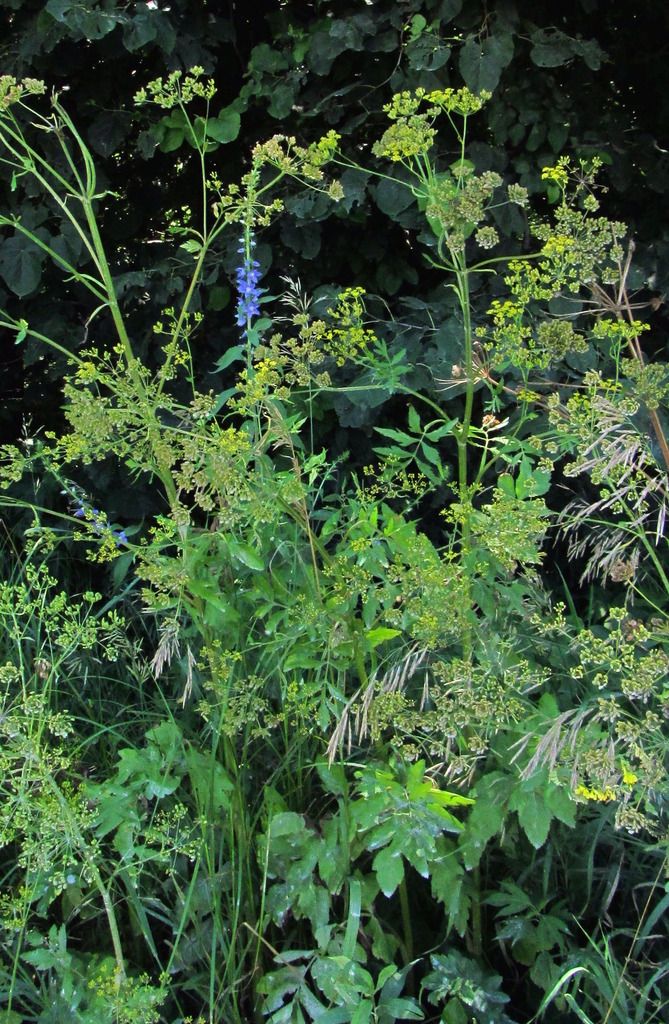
<point>274,839</point>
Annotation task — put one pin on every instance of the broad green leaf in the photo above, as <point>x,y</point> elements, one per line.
<point>209,593</point>
<point>389,870</point>
<point>438,433</point>
<point>287,823</point>
<point>482,62</point>
<point>225,126</point>
<point>507,485</point>
<point>551,48</point>
<point>92,24</point>
<point>534,814</point>
<point>431,454</point>
<point>282,99</point>
<point>392,197</point>
<point>301,658</point>
<point>560,802</point>
<point>264,58</point>
<point>399,1008</point>
<point>218,298</point>
<point>145,769</point>
<point>363,1012</point>
<point>246,555</point>
<point>20,265</point>
<point>417,25</point>
<point>211,784</point>
<point>337,1015</point>
<point>380,634</point>
<point>334,863</point>
<point>41,959</point>
<point>171,139</point>
<point>142,29</point>
<point>231,355</point>
<point>487,816</point>
<point>333,778</point>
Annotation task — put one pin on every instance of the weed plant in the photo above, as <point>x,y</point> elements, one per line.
<point>363,774</point>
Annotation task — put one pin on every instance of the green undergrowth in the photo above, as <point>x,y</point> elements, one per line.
<point>324,742</point>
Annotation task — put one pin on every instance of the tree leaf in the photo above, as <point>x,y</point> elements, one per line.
<point>481,63</point>
<point>551,48</point>
<point>142,29</point>
<point>20,265</point>
<point>282,100</point>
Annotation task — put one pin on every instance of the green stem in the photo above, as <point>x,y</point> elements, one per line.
<point>406,921</point>
<point>130,358</point>
<point>476,934</point>
<point>94,873</point>
<point>462,438</point>
<point>195,277</point>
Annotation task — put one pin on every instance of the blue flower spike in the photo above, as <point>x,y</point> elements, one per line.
<point>248,278</point>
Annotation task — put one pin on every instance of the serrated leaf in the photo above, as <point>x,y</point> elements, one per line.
<point>22,332</point>
<point>431,454</point>
<point>561,804</point>
<point>438,433</point>
<point>533,813</point>
<point>414,420</point>
<point>487,816</point>
<point>396,435</point>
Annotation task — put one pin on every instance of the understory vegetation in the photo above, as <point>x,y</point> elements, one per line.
<point>334,667</point>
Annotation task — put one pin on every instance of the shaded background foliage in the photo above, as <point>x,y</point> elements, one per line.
<point>592,79</point>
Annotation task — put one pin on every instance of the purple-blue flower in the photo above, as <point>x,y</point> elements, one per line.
<point>98,521</point>
<point>248,293</point>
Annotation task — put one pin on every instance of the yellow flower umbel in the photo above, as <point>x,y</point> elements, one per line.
<point>414,114</point>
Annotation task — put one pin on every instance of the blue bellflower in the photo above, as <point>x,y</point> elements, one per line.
<point>248,276</point>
